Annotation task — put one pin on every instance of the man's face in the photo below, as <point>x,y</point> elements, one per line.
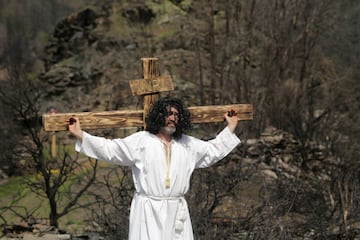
<point>171,120</point>
<point>172,117</point>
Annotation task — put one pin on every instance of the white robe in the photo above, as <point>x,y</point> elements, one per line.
<point>157,212</point>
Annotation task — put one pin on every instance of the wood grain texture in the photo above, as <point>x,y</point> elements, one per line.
<point>134,118</point>
<point>153,85</point>
<point>208,114</point>
<point>94,120</point>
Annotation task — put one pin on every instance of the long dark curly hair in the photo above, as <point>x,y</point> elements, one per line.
<point>155,120</point>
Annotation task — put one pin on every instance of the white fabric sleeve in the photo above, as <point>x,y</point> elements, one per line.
<point>212,151</point>
<point>117,151</point>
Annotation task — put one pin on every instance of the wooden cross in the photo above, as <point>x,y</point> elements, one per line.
<point>149,87</point>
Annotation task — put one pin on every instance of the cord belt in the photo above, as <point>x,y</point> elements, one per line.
<point>181,212</point>
<point>159,198</point>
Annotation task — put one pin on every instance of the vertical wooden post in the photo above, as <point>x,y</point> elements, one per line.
<point>151,69</point>
<point>53,137</point>
<point>53,144</point>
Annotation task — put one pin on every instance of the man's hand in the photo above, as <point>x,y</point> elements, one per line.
<point>231,119</point>
<point>74,127</point>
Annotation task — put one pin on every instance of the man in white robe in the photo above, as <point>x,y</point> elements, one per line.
<point>162,159</point>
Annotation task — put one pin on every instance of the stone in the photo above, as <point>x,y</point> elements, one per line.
<point>269,173</point>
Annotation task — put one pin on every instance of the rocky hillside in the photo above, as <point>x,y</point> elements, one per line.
<point>95,52</point>
<point>280,193</point>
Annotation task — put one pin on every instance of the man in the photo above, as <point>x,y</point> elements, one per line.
<point>162,159</point>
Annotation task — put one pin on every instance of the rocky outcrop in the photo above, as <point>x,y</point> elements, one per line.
<point>279,153</point>
<point>72,36</point>
<point>95,52</point>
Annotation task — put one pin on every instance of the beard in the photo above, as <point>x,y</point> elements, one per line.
<point>168,130</point>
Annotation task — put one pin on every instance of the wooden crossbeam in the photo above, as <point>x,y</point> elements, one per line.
<point>215,113</point>
<point>134,118</point>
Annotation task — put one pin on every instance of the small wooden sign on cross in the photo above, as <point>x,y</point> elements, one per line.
<point>149,87</point>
